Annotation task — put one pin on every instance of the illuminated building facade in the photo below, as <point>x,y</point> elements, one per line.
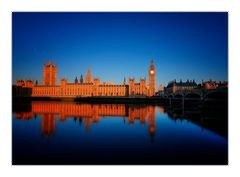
<point>91,86</point>
<point>49,74</point>
<point>174,86</point>
<point>210,85</point>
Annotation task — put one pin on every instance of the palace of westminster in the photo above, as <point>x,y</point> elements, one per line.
<point>89,87</point>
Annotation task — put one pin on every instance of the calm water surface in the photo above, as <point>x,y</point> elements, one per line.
<point>71,133</point>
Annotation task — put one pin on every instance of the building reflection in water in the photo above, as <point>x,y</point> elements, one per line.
<point>88,113</point>
<point>48,124</point>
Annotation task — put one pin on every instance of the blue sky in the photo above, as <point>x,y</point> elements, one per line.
<point>117,45</point>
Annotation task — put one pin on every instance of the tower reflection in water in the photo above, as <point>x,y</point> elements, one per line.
<point>88,114</point>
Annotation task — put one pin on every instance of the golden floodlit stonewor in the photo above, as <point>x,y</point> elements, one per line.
<point>90,87</point>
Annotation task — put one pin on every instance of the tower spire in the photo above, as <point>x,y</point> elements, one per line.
<point>89,77</point>
<point>81,79</point>
<point>152,63</point>
<point>76,80</point>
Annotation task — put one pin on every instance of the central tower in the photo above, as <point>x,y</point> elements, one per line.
<point>49,74</point>
<point>152,74</point>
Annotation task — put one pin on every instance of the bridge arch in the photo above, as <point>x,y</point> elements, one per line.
<point>193,95</point>
<point>178,95</point>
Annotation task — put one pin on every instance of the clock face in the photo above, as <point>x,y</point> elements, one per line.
<point>152,72</point>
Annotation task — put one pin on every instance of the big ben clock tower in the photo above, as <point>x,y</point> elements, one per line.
<point>152,74</point>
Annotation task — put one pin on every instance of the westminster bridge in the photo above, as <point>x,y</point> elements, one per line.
<point>199,94</point>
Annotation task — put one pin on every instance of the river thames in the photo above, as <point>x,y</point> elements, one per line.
<point>80,133</point>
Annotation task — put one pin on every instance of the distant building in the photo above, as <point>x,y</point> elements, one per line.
<point>160,91</point>
<point>223,84</point>
<point>25,83</point>
<point>209,85</point>
<point>174,86</point>
<point>23,88</point>
<point>91,86</point>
